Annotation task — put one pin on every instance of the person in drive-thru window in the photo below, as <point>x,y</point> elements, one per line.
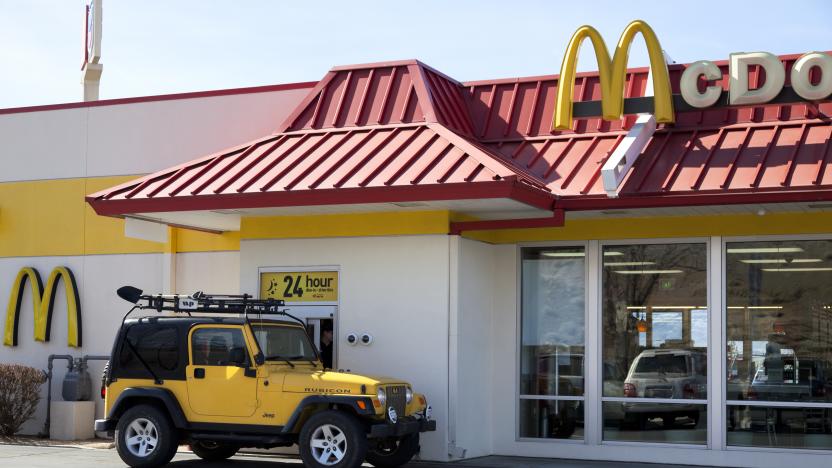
<point>326,345</point>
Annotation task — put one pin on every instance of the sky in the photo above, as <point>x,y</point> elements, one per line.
<point>169,46</point>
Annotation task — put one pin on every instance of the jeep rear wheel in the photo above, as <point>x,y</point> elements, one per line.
<point>145,437</point>
<point>392,453</point>
<point>332,439</point>
<point>213,451</point>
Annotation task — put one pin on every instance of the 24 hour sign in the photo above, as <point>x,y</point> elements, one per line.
<point>300,286</point>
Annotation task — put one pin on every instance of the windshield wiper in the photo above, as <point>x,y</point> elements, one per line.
<point>282,358</point>
<point>304,358</point>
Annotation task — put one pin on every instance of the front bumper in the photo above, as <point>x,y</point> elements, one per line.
<point>401,428</point>
<point>105,425</point>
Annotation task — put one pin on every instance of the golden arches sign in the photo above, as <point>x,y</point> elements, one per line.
<point>43,302</point>
<point>612,75</point>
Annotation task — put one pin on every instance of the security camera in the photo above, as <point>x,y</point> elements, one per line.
<point>366,339</point>
<point>352,339</point>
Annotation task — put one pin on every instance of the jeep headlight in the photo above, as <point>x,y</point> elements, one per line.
<point>408,394</point>
<point>382,396</point>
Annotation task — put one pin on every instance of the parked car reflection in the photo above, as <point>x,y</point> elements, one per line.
<point>666,374</point>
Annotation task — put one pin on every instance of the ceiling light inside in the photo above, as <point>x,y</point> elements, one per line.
<point>621,264</point>
<point>781,260</point>
<point>649,272</point>
<point>794,270</point>
<point>563,254</point>
<point>748,250</point>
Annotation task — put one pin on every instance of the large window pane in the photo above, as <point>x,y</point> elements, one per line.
<point>552,343</point>
<point>655,321</point>
<point>762,426</point>
<point>655,338</point>
<point>779,322</point>
<point>552,356</point>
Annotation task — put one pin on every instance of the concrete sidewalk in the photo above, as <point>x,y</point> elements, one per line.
<point>34,456</point>
<point>518,462</point>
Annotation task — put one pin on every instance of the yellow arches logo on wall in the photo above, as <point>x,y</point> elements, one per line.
<point>612,74</point>
<point>43,302</point>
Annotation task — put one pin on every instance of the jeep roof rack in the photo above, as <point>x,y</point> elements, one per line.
<point>201,302</point>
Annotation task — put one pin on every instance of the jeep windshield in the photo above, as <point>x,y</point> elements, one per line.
<point>284,343</point>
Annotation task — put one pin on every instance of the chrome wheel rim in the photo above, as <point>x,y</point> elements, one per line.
<point>141,437</point>
<point>328,444</point>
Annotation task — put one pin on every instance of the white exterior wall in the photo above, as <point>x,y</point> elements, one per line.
<point>395,288</point>
<point>471,356</point>
<point>134,138</point>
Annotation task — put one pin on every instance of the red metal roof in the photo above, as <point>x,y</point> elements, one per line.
<point>401,130</point>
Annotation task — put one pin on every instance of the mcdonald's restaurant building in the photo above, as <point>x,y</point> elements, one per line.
<point>640,284</point>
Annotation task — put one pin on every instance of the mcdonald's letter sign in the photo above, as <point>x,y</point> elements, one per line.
<point>43,302</point>
<point>612,75</point>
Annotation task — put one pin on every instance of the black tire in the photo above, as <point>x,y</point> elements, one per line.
<point>395,452</point>
<point>213,451</point>
<point>352,447</point>
<point>167,440</point>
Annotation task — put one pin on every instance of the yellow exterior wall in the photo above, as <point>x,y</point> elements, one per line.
<point>346,225</point>
<point>50,217</point>
<point>668,226</point>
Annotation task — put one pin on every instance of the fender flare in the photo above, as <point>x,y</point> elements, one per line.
<point>312,400</point>
<point>162,395</point>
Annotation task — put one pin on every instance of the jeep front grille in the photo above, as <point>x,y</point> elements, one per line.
<point>397,398</point>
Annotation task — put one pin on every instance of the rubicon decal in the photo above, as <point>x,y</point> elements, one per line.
<point>43,302</point>
<point>326,390</point>
<point>810,79</point>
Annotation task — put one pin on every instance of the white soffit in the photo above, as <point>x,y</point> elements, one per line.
<point>626,153</point>
<point>145,230</point>
<point>200,220</point>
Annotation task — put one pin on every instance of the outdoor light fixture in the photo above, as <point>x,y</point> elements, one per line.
<point>755,307</point>
<point>613,253</point>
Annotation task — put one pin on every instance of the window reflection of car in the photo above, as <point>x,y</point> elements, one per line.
<point>679,374</point>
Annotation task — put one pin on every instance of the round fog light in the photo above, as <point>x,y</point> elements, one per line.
<point>391,413</point>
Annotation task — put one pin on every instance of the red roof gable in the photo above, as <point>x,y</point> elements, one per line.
<point>402,129</point>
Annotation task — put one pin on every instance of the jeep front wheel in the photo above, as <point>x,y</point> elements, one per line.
<point>332,439</point>
<point>145,437</point>
<point>213,451</point>
<point>392,453</point>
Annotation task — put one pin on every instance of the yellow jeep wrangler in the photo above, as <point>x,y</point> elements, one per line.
<point>238,372</point>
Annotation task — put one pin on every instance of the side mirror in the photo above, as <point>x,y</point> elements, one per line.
<point>237,357</point>
<point>129,294</point>
<point>259,359</point>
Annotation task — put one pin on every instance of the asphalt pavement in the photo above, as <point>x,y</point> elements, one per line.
<point>76,457</point>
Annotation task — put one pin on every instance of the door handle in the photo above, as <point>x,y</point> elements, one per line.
<point>199,373</point>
